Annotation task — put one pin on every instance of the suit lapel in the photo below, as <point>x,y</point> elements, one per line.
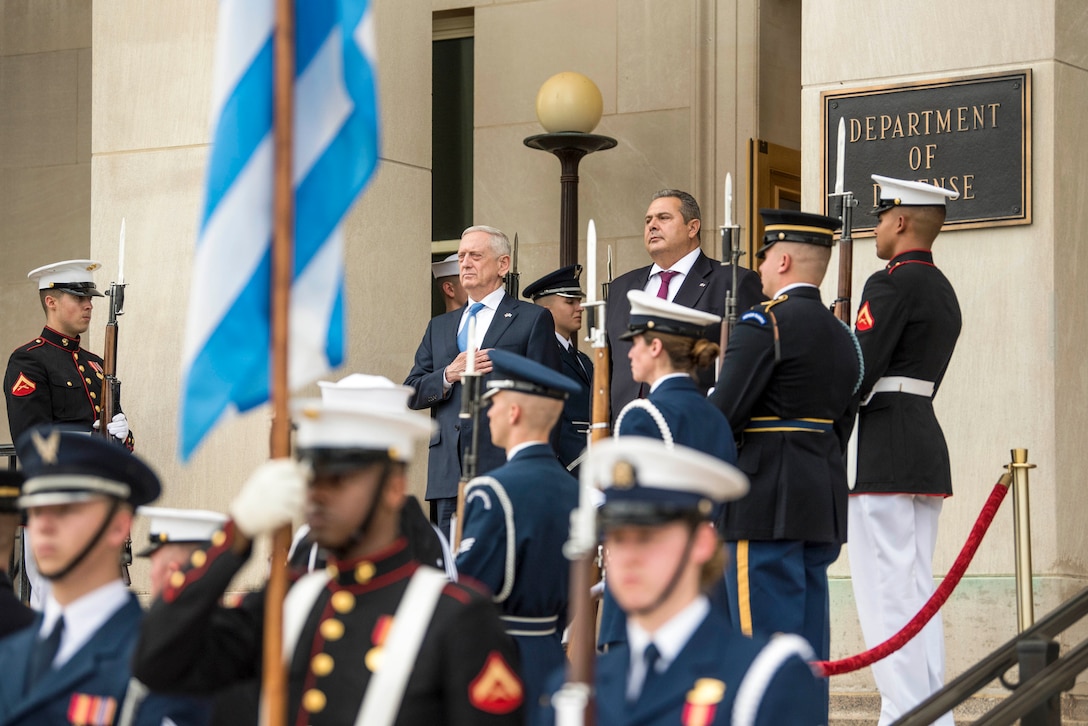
<point>612,686</point>
<point>505,315</point>
<point>447,334</point>
<point>19,647</point>
<point>695,282</point>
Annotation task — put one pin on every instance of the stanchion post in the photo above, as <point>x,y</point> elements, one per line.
<point>1021,513</point>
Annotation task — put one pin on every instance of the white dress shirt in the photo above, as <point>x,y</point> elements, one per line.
<point>682,267</point>
<point>82,617</point>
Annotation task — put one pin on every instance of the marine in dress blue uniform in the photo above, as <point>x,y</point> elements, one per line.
<point>53,379</point>
<point>672,238</point>
<point>787,386</point>
<point>669,349</point>
<point>682,663</point>
<point>907,325</point>
<point>561,292</point>
<point>518,516</point>
<point>71,665</point>
<point>517,326</point>
<point>374,616</point>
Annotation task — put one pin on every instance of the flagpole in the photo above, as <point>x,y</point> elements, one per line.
<point>274,670</point>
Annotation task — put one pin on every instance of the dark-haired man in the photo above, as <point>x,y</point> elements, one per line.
<point>680,273</point>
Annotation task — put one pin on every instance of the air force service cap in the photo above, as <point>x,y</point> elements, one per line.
<point>788,225</point>
<point>512,372</point>
<point>651,313</point>
<point>63,467</point>
<point>564,282</point>
<point>71,276</point>
<point>648,483</point>
<point>358,419</point>
<point>446,268</point>
<point>903,193</point>
<point>180,526</point>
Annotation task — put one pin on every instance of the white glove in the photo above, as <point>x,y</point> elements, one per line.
<point>118,427</point>
<point>270,498</point>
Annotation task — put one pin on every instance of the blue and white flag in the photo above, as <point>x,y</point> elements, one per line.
<point>225,362</point>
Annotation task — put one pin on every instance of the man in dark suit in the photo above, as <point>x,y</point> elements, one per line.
<point>907,327</point>
<point>71,665</point>
<point>680,273</point>
<point>787,386</point>
<point>517,518</point>
<point>561,292</point>
<point>497,321</point>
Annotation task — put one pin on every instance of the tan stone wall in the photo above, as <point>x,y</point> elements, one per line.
<point>686,83</point>
<point>45,153</point>
<point>1015,379</point>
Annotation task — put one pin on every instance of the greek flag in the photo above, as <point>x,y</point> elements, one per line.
<point>225,362</point>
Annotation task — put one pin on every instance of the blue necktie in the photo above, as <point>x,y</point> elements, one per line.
<point>650,656</point>
<point>462,337</point>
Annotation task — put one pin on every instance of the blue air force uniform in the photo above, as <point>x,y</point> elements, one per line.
<point>707,673</point>
<point>787,387</point>
<point>517,519</point>
<point>93,684</point>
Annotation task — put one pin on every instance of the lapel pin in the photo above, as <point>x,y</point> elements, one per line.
<point>702,284</point>
<point>508,315</point>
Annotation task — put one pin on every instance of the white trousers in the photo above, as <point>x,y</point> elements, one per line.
<point>891,543</point>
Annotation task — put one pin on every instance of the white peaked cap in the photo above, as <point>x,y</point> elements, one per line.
<point>903,193</point>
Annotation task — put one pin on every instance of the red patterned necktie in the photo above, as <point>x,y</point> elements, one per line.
<point>666,277</point>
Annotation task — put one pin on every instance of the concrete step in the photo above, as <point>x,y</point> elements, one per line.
<point>852,708</point>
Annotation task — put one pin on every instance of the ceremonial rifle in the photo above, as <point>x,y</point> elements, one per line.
<point>731,242</point>
<point>841,306</point>
<point>470,411</point>
<point>513,281</point>
<point>110,401</point>
<point>574,701</point>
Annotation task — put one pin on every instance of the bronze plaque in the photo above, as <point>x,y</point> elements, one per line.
<point>971,135</point>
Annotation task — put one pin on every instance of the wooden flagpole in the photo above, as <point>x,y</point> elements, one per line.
<point>274,670</point>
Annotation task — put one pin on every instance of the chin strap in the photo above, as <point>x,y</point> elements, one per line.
<point>62,572</point>
<point>692,526</point>
<point>342,551</point>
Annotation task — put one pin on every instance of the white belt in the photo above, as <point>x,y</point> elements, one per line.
<point>900,384</point>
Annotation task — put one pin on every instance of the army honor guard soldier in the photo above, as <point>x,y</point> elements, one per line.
<point>787,386</point>
<point>375,636</point>
<point>907,326</point>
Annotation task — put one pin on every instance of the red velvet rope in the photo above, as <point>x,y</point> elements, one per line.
<point>897,641</point>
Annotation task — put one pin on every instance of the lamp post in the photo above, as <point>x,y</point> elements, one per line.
<point>569,106</point>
